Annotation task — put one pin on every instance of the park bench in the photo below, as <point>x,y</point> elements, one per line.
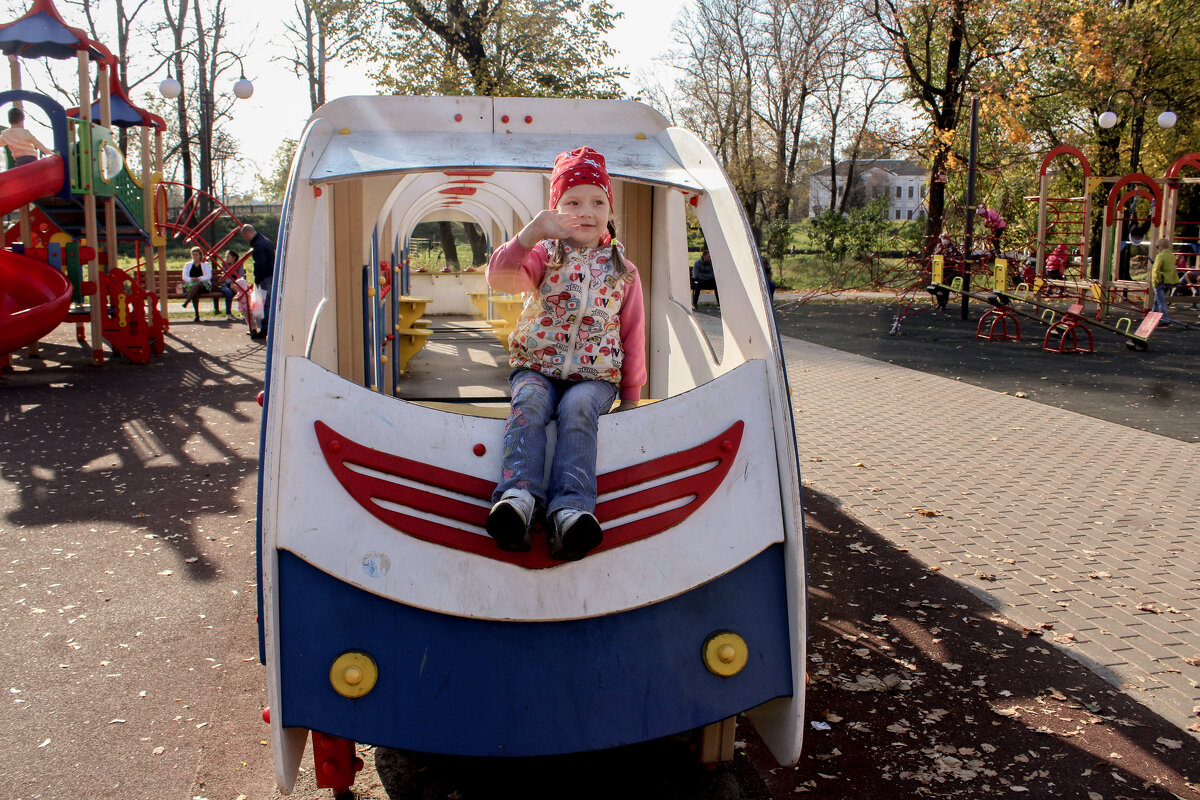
<point>175,286</point>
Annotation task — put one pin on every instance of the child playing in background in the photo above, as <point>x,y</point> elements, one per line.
<point>1163,276</point>
<point>23,145</point>
<point>579,339</point>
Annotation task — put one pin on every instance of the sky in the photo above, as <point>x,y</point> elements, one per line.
<point>279,106</point>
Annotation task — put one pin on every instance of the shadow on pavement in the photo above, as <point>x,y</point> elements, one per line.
<point>924,690</point>
<point>119,444</point>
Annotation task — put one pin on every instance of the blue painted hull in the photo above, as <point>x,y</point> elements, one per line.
<point>481,687</point>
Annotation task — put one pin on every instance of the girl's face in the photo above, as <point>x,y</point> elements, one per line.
<point>589,212</point>
<point>230,258</point>
<point>196,256</point>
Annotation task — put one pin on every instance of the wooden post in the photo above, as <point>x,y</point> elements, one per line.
<point>110,203</point>
<point>161,250</point>
<point>26,227</point>
<point>1086,246</point>
<point>1043,200</point>
<point>89,216</point>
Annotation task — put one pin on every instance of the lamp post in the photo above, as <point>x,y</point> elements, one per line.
<point>171,88</point>
<point>1108,119</point>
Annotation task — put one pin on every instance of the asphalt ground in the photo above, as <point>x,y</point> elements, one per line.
<point>128,643</point>
<point>1157,390</point>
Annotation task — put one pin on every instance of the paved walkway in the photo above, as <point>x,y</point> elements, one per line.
<point>1086,530</point>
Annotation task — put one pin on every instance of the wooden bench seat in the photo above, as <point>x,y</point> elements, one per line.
<point>174,284</point>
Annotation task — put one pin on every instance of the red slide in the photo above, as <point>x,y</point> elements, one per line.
<point>34,296</point>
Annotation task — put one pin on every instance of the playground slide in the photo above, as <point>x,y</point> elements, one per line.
<point>24,184</point>
<point>33,296</point>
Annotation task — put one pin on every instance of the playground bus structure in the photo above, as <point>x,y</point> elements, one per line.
<point>388,616</point>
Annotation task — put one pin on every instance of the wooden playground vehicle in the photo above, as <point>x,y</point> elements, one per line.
<point>388,616</point>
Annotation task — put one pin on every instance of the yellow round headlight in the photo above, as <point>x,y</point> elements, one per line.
<point>725,653</point>
<point>353,674</point>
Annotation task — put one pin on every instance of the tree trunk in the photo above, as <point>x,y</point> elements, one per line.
<point>478,244</point>
<point>449,245</point>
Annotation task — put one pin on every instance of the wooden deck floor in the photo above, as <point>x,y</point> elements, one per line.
<point>462,362</point>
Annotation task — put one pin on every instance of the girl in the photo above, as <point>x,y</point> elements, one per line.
<point>580,338</point>
<point>197,275</point>
<point>236,286</point>
<point>224,280</point>
<point>1163,277</point>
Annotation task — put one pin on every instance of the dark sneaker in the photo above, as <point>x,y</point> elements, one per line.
<point>508,527</point>
<point>576,533</point>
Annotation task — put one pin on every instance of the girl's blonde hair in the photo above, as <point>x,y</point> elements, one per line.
<point>195,250</point>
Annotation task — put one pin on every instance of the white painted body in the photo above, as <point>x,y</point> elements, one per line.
<point>386,157</point>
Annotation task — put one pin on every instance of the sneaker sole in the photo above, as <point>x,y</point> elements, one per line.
<point>505,525</point>
<point>578,540</point>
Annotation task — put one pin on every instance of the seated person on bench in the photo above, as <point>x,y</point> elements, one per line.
<point>197,280</point>
<point>703,278</point>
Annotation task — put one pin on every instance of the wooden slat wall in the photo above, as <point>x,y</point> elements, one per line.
<point>349,257</point>
<point>635,228</point>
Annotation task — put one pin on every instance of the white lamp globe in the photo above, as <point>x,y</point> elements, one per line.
<point>243,89</point>
<point>1167,119</point>
<point>170,88</point>
<point>1107,119</point>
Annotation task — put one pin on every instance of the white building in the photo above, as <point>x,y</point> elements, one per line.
<point>904,182</point>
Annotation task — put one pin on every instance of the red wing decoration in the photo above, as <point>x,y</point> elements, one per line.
<point>384,484</point>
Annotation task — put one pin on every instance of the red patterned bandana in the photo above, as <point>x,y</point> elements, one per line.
<point>580,167</point>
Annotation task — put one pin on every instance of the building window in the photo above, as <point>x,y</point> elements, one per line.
<point>910,191</point>
<point>910,215</point>
<point>923,188</point>
<point>897,191</point>
<point>897,210</point>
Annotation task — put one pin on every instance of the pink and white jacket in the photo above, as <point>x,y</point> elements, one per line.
<point>581,321</point>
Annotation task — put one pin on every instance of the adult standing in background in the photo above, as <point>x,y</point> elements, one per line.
<point>263,251</point>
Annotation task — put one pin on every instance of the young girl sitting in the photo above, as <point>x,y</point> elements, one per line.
<point>580,338</point>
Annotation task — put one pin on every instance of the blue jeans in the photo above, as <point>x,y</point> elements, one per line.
<point>1160,301</point>
<point>577,406</point>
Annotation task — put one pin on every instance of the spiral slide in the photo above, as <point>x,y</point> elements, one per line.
<point>34,296</point>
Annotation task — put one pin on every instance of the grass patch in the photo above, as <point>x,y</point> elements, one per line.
<point>810,273</point>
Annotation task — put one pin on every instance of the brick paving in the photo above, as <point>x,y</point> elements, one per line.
<point>1083,528</point>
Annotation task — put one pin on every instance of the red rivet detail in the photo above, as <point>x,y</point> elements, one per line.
<point>458,117</point>
<point>267,715</point>
<point>316,191</point>
<point>694,200</point>
<point>504,119</point>
<point>261,396</point>
<point>726,446</point>
<point>528,120</point>
<point>479,449</point>
<point>335,446</point>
